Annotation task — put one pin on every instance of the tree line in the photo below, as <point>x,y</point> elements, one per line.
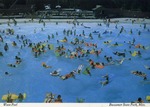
<point>141,5</point>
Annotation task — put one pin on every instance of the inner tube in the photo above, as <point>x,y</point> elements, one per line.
<point>148,98</point>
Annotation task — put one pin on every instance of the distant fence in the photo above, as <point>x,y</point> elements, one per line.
<point>105,12</point>
<point>128,13</point>
<point>13,11</point>
<point>113,13</point>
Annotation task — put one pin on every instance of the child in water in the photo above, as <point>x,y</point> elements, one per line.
<point>46,66</point>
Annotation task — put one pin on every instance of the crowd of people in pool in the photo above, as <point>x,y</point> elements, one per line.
<point>78,52</point>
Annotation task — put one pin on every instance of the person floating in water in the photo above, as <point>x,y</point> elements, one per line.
<point>46,66</point>
<point>67,76</point>
<point>11,65</point>
<point>119,53</point>
<point>106,80</point>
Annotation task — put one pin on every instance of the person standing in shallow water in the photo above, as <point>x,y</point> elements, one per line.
<point>59,99</point>
<point>6,47</point>
<point>20,97</point>
<point>139,100</point>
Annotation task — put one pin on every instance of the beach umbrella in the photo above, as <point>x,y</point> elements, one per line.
<point>12,96</point>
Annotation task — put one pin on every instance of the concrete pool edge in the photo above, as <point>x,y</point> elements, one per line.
<point>113,20</point>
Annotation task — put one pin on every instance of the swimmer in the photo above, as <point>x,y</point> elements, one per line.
<point>1,54</point>
<point>49,98</point>
<point>11,65</point>
<point>116,44</point>
<point>46,66</point>
<point>147,67</point>
<point>6,73</point>
<point>145,78</point>
<point>80,67</point>
<point>117,62</point>
<point>104,82</point>
<point>88,71</point>
<point>20,97</point>
<point>99,35</point>
<point>17,58</point>
<point>14,43</point>
<point>106,77</point>
<point>63,77</point>
<point>6,47</point>
<point>59,99</point>
<point>119,53</point>
<point>18,61</point>
<point>139,100</point>
<point>55,73</point>
<point>139,73</point>
<point>109,59</point>
<point>67,76</point>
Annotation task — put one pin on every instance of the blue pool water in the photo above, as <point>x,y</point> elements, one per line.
<point>31,78</point>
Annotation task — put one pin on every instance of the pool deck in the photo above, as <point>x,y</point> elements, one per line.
<point>113,20</point>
